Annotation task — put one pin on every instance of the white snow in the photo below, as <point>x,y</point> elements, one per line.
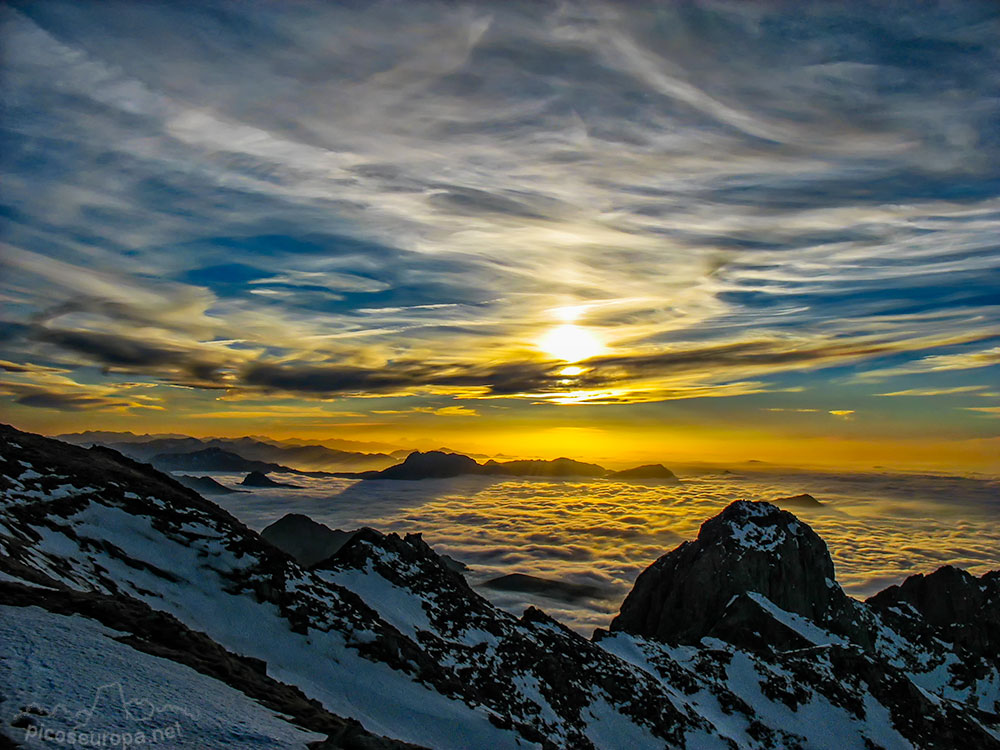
<point>801,625</point>
<point>607,728</point>
<point>66,665</point>
<point>398,607</point>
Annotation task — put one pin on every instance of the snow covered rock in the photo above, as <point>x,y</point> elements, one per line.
<point>964,609</point>
<point>699,589</point>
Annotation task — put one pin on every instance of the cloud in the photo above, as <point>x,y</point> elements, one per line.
<point>935,391</point>
<point>939,363</point>
<point>880,527</point>
<point>61,393</point>
<point>120,351</point>
<point>990,410</point>
<point>722,207</point>
<point>713,369</point>
<point>440,411</point>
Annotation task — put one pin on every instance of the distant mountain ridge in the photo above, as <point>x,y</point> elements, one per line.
<point>213,459</point>
<point>440,465</point>
<point>258,454</point>
<point>301,457</point>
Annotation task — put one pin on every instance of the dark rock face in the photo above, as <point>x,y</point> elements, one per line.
<point>749,547</point>
<point>559,467</point>
<point>965,610</point>
<point>430,465</point>
<point>804,500</point>
<point>304,539</point>
<point>457,565</point>
<point>260,479</point>
<point>649,471</point>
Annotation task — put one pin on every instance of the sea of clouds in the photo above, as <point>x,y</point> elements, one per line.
<point>880,527</point>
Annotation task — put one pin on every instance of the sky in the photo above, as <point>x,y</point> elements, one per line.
<point>697,231</point>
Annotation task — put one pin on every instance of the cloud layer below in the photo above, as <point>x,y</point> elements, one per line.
<point>880,527</point>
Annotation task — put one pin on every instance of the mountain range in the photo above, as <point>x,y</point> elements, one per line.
<point>439,465</point>
<point>168,449</point>
<point>114,574</point>
<point>246,454</point>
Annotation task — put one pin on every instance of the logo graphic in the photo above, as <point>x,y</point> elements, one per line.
<point>111,720</point>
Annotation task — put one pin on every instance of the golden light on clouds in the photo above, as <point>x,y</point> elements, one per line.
<point>571,343</point>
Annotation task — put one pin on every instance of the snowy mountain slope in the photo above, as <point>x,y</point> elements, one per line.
<point>108,678</point>
<point>122,637</point>
<point>94,522</point>
<point>386,634</point>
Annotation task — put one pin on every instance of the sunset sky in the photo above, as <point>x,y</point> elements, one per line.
<point>679,231</point>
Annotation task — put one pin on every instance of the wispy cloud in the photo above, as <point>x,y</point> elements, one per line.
<point>921,392</point>
<point>991,410</point>
<point>429,185</point>
<point>939,363</point>
<point>46,390</point>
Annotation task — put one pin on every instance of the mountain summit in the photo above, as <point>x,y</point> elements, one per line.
<point>751,548</point>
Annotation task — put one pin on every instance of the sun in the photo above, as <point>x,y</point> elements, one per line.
<point>570,343</point>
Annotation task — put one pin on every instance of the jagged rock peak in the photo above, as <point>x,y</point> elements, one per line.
<point>751,548</point>
<point>308,541</point>
<point>964,609</point>
<point>756,526</point>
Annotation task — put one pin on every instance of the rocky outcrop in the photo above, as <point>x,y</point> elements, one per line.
<point>647,471</point>
<point>805,500</point>
<point>695,591</point>
<point>260,479</point>
<point>206,485</point>
<point>304,539</point>
<point>961,608</point>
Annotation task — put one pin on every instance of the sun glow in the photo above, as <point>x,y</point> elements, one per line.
<point>571,343</point>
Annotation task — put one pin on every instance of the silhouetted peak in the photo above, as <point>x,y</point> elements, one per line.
<point>647,471</point>
<point>261,479</point>
<point>749,548</point>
